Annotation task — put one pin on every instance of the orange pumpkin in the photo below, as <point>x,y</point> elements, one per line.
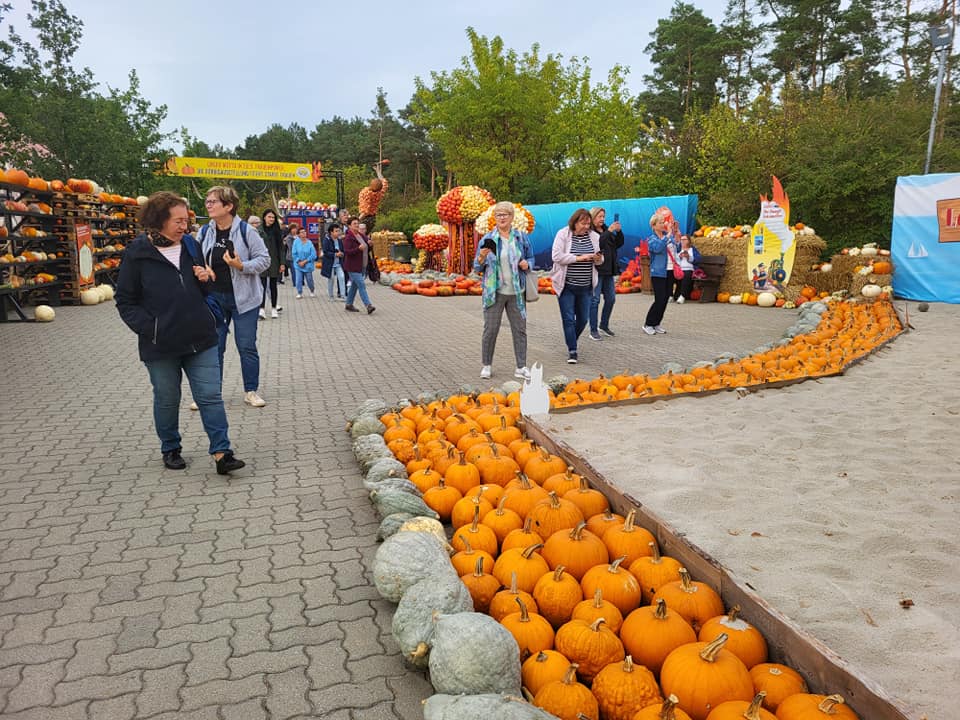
<point>505,602</point>
<point>578,550</point>
<point>623,689</point>
<point>654,571</point>
<point>531,631</point>
<point>544,667</point>
<point>629,540</point>
<point>595,608</point>
<point>592,645</point>
<point>618,584</point>
<point>554,514</point>
<point>703,675</point>
<point>778,682</point>
<point>651,633</point>
<point>742,710</point>
<point>882,267</point>
<point>481,586</point>
<point>667,710</point>
<point>814,707</point>
<point>745,641</point>
<point>17,177</point>
<point>567,698</point>
<point>697,602</point>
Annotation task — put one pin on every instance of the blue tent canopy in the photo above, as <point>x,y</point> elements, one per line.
<point>634,216</point>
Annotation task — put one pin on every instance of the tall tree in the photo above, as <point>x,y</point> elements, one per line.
<point>738,44</point>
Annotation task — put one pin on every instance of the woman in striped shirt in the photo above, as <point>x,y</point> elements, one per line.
<point>576,254</point>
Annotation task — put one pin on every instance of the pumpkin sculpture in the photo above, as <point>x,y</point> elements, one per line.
<point>745,641</point>
<point>619,586</point>
<point>567,698</point>
<point>742,710</point>
<point>531,631</point>
<point>778,682</point>
<point>557,594</point>
<point>703,675</point>
<point>593,646</point>
<point>667,710</point>
<point>544,667</point>
<point>622,689</point>
<point>577,550</point>
<point>806,706</point>
<point>650,634</point>
<point>697,602</point>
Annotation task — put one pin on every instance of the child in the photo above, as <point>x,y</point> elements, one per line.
<point>332,268</point>
<point>304,262</point>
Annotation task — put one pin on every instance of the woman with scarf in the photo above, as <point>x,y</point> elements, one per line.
<point>355,250</point>
<point>161,296</point>
<point>503,258</point>
<point>273,238</point>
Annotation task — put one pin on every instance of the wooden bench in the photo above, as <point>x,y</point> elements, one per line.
<point>713,266</point>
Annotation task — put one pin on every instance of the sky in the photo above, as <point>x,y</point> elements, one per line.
<point>229,70</point>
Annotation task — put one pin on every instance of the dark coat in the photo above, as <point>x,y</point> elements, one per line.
<point>352,254</point>
<point>273,239</point>
<point>329,248</point>
<point>610,243</point>
<point>163,305</point>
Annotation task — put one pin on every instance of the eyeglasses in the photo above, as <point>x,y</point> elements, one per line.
<point>211,201</point>
<point>502,215</point>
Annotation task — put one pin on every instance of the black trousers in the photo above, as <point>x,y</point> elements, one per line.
<point>661,291</point>
<point>684,286</point>
<point>272,282</point>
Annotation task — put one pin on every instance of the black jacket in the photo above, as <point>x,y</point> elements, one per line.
<point>163,306</point>
<point>610,242</point>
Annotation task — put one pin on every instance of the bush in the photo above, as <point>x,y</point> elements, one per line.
<point>410,217</point>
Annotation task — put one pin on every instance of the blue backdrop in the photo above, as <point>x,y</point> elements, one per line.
<point>634,216</point>
<point>924,252</point>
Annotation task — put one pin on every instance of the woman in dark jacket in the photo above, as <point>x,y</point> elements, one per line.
<point>611,240</point>
<point>355,250</point>
<point>273,239</point>
<point>160,296</point>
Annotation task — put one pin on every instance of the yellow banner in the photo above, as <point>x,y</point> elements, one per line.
<point>219,169</point>
<point>772,248</point>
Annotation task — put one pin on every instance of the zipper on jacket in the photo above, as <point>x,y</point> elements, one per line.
<point>156,326</point>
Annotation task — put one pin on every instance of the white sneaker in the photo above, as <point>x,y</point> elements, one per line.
<point>193,405</point>
<point>274,313</point>
<point>299,297</point>
<point>659,330</point>
<point>252,398</point>
<point>649,330</point>
<point>681,300</point>
<point>263,315</point>
<point>522,373</point>
<point>485,372</point>
<point>311,294</point>
<point>670,299</point>
<point>279,308</point>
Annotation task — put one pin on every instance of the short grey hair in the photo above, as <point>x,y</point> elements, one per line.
<point>504,206</point>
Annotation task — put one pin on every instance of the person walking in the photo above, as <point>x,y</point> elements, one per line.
<point>664,230</point>
<point>503,258</point>
<point>288,238</point>
<point>304,262</point>
<point>237,256</point>
<point>576,255</point>
<point>354,263</point>
<point>332,262</point>
<point>273,238</point>
<point>611,240</point>
<point>160,295</point>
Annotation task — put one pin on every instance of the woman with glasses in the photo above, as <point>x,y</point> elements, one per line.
<point>503,258</point>
<point>235,253</point>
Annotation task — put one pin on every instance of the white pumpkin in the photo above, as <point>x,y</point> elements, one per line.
<point>736,299</point>
<point>141,200</point>
<point>89,297</point>
<point>766,299</point>
<point>869,251</point>
<point>854,251</point>
<point>44,313</point>
<point>826,267</point>
<point>871,291</point>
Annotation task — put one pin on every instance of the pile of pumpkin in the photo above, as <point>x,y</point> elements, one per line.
<point>546,588</point>
<point>387,265</point>
<point>14,176</point>
<point>808,293</point>
<point>739,231</point>
<point>455,285</point>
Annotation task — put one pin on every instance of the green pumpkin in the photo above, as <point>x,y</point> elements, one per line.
<point>376,407</point>
<point>388,501</point>
<point>383,469</point>
<point>473,654</point>
<point>366,425</point>
<point>413,623</point>
<point>391,524</point>
<point>369,449</point>
<point>482,707</point>
<point>406,558</point>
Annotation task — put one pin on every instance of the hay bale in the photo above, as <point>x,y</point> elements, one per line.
<point>858,281</point>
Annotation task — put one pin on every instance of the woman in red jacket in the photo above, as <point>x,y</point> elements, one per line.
<point>355,249</point>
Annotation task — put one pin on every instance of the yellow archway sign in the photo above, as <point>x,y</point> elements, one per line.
<point>262,170</point>
<point>771,248</point>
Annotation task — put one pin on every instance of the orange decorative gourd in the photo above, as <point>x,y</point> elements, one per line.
<point>557,593</point>
<point>619,586</point>
<point>650,634</point>
<point>567,698</point>
<point>697,602</point>
<point>464,509</point>
<point>522,538</point>
<point>462,475</point>
<point>742,710</point>
<point>593,646</point>
<point>578,550</point>
<point>496,468</point>
<point>591,502</point>
<point>464,561</point>
<point>425,478</point>
<point>502,521</point>
<point>441,499</point>
<point>541,466</point>
<point>562,483</point>
<point>882,267</point>
<point>629,540</point>
<point>745,641</point>
<point>807,706</point>
<point>595,608</point>
<point>703,675</point>
<point>553,514</point>
<point>481,586</point>
<point>522,494</point>
<point>17,177</point>
<point>599,524</point>
<point>527,563</point>
<point>544,667</point>
<point>778,682</point>
<point>505,602</point>
<point>479,536</point>
<point>654,571</point>
<point>531,631</point>
<point>622,689</point>
<point>419,462</point>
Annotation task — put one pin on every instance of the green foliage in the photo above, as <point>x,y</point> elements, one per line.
<point>408,218</point>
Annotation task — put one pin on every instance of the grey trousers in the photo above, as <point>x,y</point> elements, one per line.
<point>491,328</point>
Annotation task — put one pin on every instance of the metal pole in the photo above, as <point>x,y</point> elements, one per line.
<point>936,109</point>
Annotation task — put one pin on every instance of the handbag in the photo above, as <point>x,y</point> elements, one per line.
<point>530,292</point>
<point>677,270</point>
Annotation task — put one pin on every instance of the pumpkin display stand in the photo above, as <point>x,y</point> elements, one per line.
<point>463,247</point>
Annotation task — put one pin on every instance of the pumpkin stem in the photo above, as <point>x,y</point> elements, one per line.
<point>514,590</point>
<point>577,532</point>
<point>584,485</point>
<point>463,459</point>
<point>570,676</point>
<point>524,614</point>
<point>828,704</point>
<point>503,499</point>
<point>661,612</point>
<point>710,652</point>
<point>598,598</point>
<point>475,525</point>
<point>531,550</point>
<point>421,651</point>
<point>503,422</point>
<point>595,625</point>
<point>614,567</point>
<point>628,521</point>
<point>753,712</point>
<point>628,664</point>
<point>494,451</point>
<point>656,558</point>
<point>478,569</point>
<point>734,613</point>
<point>686,583</point>
<point>558,573</point>
<point>541,657</point>
<point>666,710</point>
<point>554,500</point>
<point>468,549</point>
<point>528,525</point>
<point>416,453</point>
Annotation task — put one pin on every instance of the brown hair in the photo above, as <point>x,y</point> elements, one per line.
<point>227,195</point>
<point>578,215</point>
<point>156,211</point>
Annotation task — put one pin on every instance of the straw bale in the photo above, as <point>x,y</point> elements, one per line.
<point>858,281</point>
<point>736,276</point>
<point>383,239</point>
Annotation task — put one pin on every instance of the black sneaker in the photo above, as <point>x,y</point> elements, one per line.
<point>350,308</point>
<point>173,461</point>
<point>572,359</point>
<point>228,463</point>
<point>595,336</point>
<point>607,331</point>
<point>370,309</point>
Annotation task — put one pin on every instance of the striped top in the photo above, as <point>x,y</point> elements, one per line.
<point>580,274</point>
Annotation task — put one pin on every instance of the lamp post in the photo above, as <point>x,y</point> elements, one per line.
<point>941,37</point>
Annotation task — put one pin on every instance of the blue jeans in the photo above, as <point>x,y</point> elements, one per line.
<point>336,279</point>
<point>574,311</point>
<point>203,373</point>
<point>606,286</point>
<point>357,282</point>
<point>298,278</point>
<point>245,337</point>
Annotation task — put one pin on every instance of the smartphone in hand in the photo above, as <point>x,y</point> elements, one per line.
<point>489,244</point>
<point>616,217</point>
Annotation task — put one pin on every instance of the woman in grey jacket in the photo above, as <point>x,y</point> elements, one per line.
<point>236,254</point>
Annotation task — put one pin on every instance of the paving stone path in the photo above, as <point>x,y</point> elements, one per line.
<point>130,591</point>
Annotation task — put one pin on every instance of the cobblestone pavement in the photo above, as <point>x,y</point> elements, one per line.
<point>130,591</point>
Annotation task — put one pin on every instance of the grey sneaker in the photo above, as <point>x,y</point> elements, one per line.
<point>521,373</point>
<point>659,330</point>
<point>254,399</point>
<point>649,330</point>
<point>595,336</point>
<point>485,372</point>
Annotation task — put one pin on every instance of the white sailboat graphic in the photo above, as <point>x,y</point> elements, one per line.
<point>917,250</point>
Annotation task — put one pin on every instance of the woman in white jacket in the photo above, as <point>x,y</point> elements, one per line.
<point>576,254</point>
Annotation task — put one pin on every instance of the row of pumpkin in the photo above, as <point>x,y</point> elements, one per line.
<point>605,626</point>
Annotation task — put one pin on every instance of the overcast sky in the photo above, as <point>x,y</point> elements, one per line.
<point>229,70</point>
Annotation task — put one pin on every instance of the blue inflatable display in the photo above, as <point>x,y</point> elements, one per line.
<point>925,243</point>
<point>634,217</point>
